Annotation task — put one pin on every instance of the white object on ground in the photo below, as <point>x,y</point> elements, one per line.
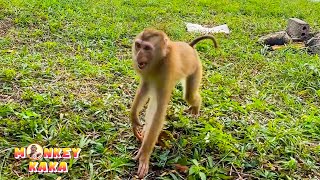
<point>198,28</point>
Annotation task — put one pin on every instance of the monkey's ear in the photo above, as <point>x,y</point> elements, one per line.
<point>165,42</point>
<point>166,46</point>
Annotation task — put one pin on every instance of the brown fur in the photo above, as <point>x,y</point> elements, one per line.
<point>162,67</point>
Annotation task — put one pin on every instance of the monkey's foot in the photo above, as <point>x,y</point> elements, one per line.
<point>194,110</point>
<point>143,164</point>
<point>143,169</point>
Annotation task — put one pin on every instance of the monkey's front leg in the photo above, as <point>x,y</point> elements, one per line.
<point>139,100</point>
<point>153,129</point>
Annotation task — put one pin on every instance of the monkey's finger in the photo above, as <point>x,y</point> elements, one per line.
<point>139,170</point>
<point>135,131</point>
<point>138,135</point>
<point>144,170</point>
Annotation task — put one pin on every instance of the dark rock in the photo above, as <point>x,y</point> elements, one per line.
<point>277,38</point>
<point>314,45</point>
<point>298,29</point>
<point>315,49</point>
<point>313,41</point>
<point>311,35</point>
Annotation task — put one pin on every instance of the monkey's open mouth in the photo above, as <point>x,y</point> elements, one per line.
<point>142,65</point>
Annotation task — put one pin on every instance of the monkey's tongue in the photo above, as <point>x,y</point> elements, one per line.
<point>142,65</point>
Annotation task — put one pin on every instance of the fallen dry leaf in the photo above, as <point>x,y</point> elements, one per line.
<point>297,45</point>
<point>8,51</point>
<point>180,168</point>
<point>275,47</point>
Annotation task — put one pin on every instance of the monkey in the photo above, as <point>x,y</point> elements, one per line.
<point>161,64</point>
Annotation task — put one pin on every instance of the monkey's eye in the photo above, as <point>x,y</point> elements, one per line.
<point>138,45</point>
<point>147,48</point>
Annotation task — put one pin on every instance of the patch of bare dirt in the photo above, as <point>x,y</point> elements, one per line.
<point>5,25</point>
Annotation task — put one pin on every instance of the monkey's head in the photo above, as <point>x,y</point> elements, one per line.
<point>149,49</point>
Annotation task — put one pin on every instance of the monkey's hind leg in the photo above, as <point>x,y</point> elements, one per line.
<point>192,95</point>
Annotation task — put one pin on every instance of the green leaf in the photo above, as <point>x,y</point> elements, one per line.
<point>173,176</point>
<point>202,176</point>
<point>196,154</point>
<point>193,169</point>
<point>195,162</point>
<point>210,161</point>
<point>71,162</point>
<point>91,170</point>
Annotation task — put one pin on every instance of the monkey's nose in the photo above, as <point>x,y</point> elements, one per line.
<point>142,65</point>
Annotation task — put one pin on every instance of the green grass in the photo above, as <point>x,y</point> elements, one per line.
<point>67,81</point>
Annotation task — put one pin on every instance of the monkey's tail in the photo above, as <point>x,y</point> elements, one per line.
<point>195,41</point>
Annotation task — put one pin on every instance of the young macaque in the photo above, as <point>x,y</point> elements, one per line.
<point>161,64</point>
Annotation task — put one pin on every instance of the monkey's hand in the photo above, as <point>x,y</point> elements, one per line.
<point>143,163</point>
<point>138,133</point>
<point>136,126</point>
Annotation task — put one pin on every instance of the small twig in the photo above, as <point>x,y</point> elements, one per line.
<point>230,173</point>
<point>223,158</point>
<point>239,175</point>
<point>5,150</point>
<point>17,173</point>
